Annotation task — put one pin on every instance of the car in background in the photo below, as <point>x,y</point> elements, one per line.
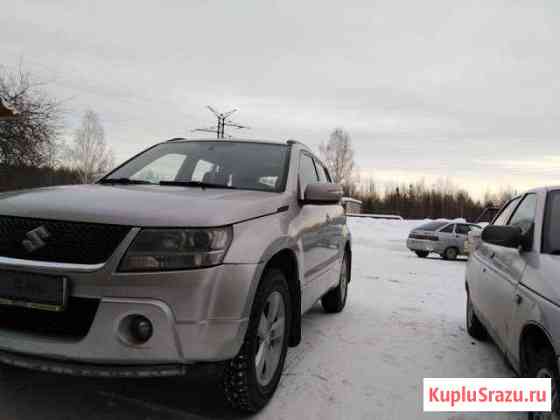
<point>513,292</point>
<point>443,237</point>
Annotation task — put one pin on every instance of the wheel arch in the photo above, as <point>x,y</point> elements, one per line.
<point>286,261</point>
<point>533,337</point>
<point>348,252</point>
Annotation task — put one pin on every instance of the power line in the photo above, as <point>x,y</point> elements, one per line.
<point>223,122</point>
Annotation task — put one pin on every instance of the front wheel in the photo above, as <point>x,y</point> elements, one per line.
<point>335,300</point>
<point>422,254</point>
<point>450,253</point>
<point>543,365</point>
<point>251,378</point>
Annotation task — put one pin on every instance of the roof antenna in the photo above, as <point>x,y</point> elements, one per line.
<point>223,122</point>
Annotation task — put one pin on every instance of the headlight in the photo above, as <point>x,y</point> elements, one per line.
<point>176,249</point>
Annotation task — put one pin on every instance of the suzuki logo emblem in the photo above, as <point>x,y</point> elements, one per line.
<point>35,239</point>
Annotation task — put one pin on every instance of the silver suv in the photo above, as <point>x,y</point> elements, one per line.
<point>513,290</point>
<point>441,237</point>
<point>192,251</point>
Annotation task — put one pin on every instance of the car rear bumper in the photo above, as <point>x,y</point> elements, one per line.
<point>423,245</point>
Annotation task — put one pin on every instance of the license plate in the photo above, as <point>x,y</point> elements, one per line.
<point>31,290</point>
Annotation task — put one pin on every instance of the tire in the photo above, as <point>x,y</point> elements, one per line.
<point>474,326</point>
<point>248,381</point>
<point>543,365</point>
<point>334,300</point>
<point>422,254</point>
<point>450,253</point>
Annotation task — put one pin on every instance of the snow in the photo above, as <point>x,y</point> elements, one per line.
<point>404,321</point>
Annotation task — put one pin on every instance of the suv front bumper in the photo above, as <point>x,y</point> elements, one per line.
<point>197,316</point>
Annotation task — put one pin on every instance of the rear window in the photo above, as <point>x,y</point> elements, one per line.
<point>432,225</point>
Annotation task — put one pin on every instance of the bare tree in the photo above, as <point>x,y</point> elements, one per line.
<point>29,137</point>
<point>338,154</point>
<point>89,154</point>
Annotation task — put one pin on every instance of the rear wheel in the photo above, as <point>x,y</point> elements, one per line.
<point>422,254</point>
<point>251,378</point>
<point>335,300</point>
<point>450,253</point>
<point>474,326</point>
<point>543,365</point>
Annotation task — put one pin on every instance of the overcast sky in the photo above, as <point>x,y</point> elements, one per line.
<point>463,90</point>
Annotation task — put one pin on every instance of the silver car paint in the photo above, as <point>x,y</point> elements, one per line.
<point>496,276</point>
<point>445,240</point>
<point>198,315</point>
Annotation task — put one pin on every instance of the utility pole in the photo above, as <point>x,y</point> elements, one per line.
<point>222,123</point>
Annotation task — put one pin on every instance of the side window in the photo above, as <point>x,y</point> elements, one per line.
<point>166,168</point>
<point>323,174</point>
<point>524,216</point>
<point>448,229</point>
<point>307,172</point>
<point>463,229</point>
<point>506,212</point>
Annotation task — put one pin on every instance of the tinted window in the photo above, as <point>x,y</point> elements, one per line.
<point>506,212</point>
<point>307,173</point>
<point>524,216</point>
<point>448,229</point>
<point>551,232</point>
<point>462,229</point>
<point>432,225</point>
<point>243,165</point>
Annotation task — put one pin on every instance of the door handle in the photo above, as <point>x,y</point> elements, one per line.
<point>518,299</point>
<point>328,219</point>
<point>484,270</point>
<point>492,255</point>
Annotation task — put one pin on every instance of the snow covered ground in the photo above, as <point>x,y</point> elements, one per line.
<point>404,321</point>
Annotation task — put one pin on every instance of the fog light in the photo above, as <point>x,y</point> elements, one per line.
<point>141,329</point>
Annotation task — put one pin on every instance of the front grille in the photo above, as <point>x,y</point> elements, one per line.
<point>57,241</point>
<point>74,322</point>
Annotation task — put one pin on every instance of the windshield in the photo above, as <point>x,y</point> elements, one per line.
<point>240,165</point>
<point>432,225</point>
<point>551,231</point>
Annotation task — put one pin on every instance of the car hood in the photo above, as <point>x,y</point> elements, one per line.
<point>141,205</point>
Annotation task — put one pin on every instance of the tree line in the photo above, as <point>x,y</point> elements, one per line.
<point>411,201</point>
<point>33,151</point>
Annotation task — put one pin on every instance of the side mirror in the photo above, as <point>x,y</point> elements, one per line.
<point>322,193</point>
<point>506,236</point>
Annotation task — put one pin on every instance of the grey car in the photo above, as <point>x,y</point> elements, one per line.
<point>441,237</point>
<point>190,252</point>
<point>513,292</point>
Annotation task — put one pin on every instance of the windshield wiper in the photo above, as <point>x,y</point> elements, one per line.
<point>196,184</point>
<point>124,181</point>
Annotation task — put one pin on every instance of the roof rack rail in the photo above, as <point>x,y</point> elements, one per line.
<point>291,141</point>
<point>177,139</point>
